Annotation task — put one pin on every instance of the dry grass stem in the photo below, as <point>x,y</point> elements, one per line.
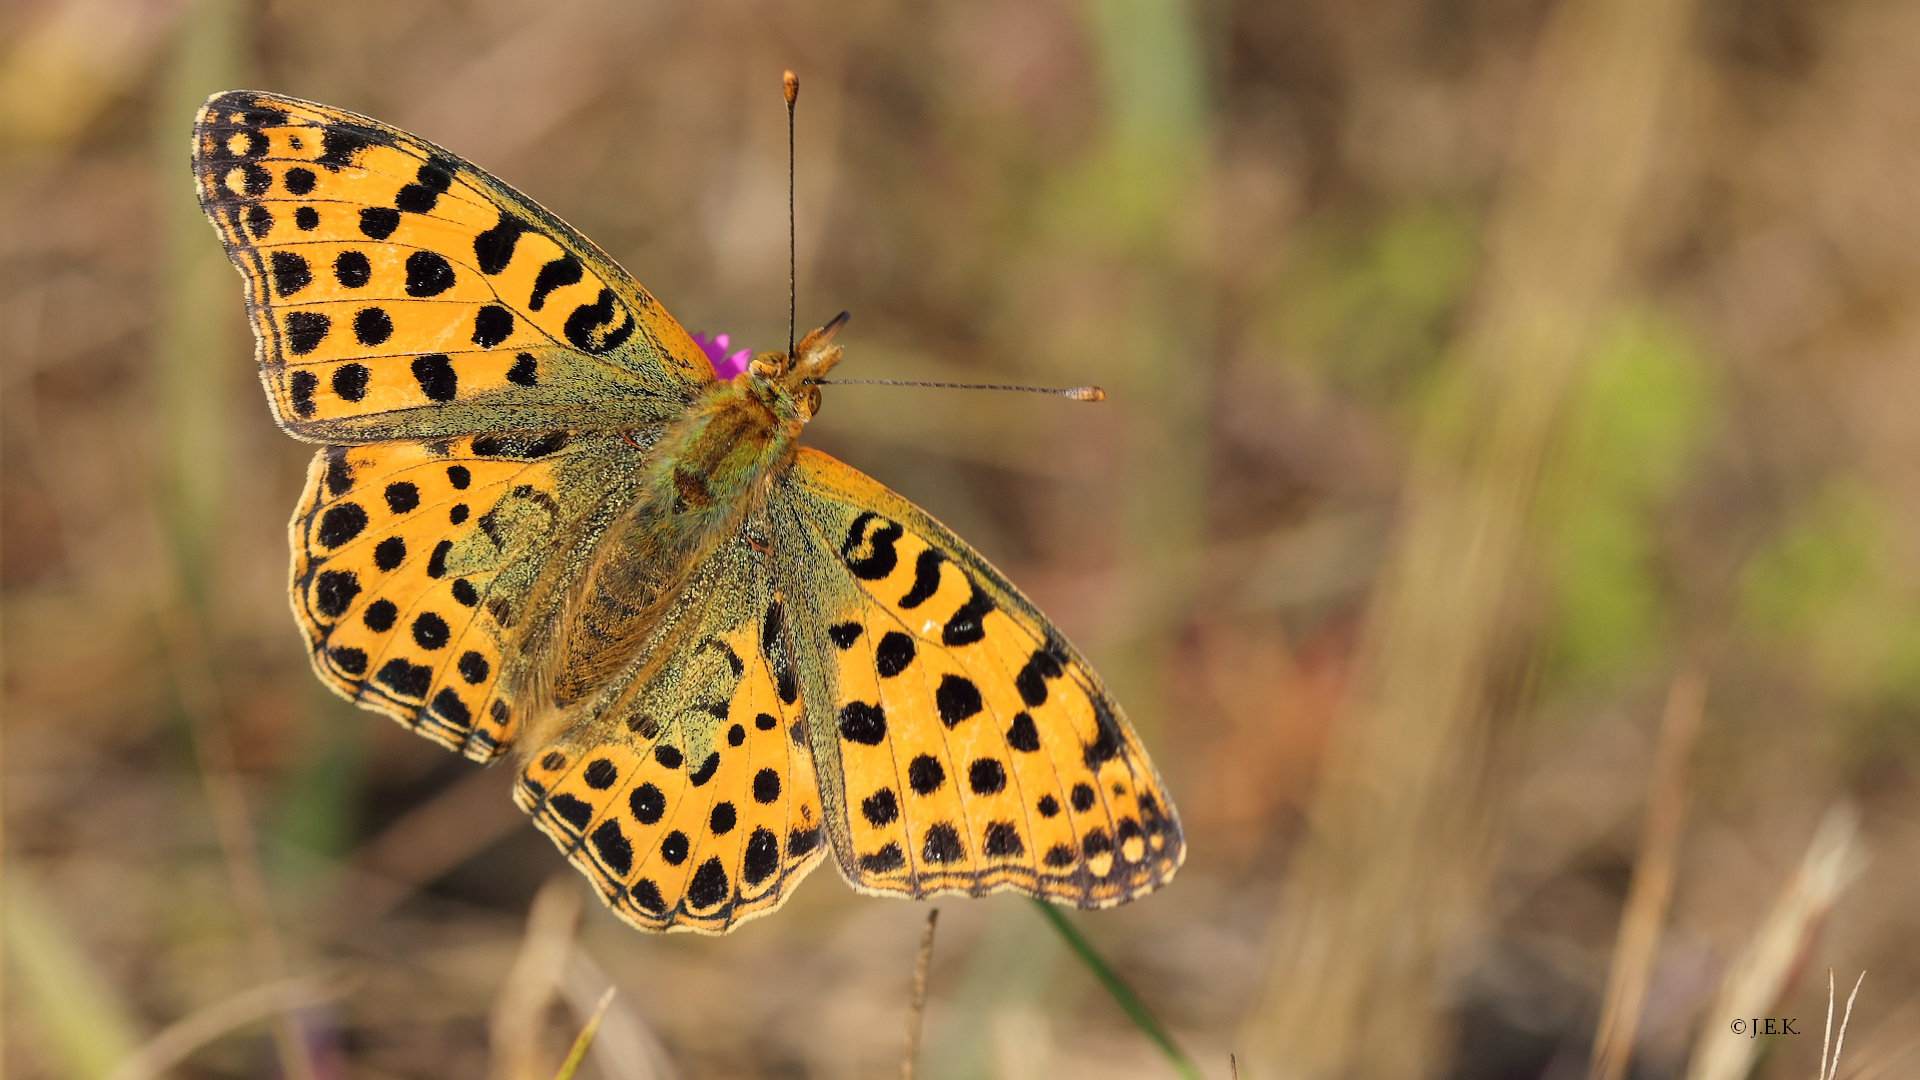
<point>519,1012</point>
<point>1754,982</point>
<point>1831,1068</point>
<point>1892,1049</point>
<point>917,1003</point>
<point>1826,1035</point>
<point>175,1042</point>
<point>198,691</point>
<point>578,1051</point>
<point>1652,888</point>
<point>1401,826</point>
<point>626,1047</point>
<point>427,842</point>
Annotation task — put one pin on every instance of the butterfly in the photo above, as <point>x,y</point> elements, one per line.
<point>538,521</point>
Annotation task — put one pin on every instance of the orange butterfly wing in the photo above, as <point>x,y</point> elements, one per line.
<point>397,291</point>
<point>971,748</point>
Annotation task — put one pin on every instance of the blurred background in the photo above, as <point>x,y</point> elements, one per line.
<point>1501,528</point>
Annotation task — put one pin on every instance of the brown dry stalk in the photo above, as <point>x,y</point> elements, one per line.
<point>198,691</point>
<point>917,1005</point>
<point>519,1012</point>
<point>177,1040</point>
<point>425,843</point>
<point>1401,823</point>
<point>1754,982</point>
<point>1652,888</point>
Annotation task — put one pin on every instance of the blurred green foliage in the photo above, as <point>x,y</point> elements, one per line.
<point>1369,304</point>
<point>1826,594</point>
<point>1631,441</point>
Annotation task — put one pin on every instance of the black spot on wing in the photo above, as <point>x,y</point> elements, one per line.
<point>926,579</point>
<point>1002,841</point>
<point>406,679</point>
<point>492,325</point>
<point>1022,735</point>
<point>339,472</point>
<point>1106,741</point>
<point>340,524</point>
<point>925,774</point>
<point>942,844</point>
<point>378,222</point>
<point>352,269</point>
<point>648,803</point>
<point>762,857</point>
<point>571,810</point>
<point>893,655</point>
<point>957,699</point>
<point>402,496</point>
<point>305,331</point>
<point>889,857</point>
<point>428,274</point>
<point>493,249</point>
<point>593,328</point>
<point>300,388</point>
<point>709,885</point>
<point>448,706</point>
<point>613,847</point>
<point>863,723</point>
<point>434,372</point>
<point>290,273</point>
<point>334,590</point>
<point>870,554</point>
<point>968,624</point>
<point>557,274</point>
<point>880,808</point>
<point>380,616</point>
<point>371,326</point>
<point>338,146</point>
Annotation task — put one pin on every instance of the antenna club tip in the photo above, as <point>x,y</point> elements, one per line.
<point>1086,393</point>
<point>790,85</point>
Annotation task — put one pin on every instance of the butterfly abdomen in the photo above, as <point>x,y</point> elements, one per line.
<point>705,473</point>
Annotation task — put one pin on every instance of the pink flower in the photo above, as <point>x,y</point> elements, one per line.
<point>724,366</point>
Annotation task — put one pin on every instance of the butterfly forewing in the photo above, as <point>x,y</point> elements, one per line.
<point>397,291</point>
<point>975,750</point>
<point>686,793</point>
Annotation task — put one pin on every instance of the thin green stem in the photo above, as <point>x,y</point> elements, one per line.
<point>1123,994</point>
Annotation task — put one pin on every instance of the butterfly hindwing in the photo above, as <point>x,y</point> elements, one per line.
<point>397,291</point>
<point>686,790</point>
<point>415,565</point>
<point>974,749</point>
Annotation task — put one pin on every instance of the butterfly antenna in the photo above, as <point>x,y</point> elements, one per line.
<point>1071,393</point>
<point>790,85</point>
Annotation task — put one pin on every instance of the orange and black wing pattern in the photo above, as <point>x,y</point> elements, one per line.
<point>972,749</point>
<point>399,292</point>
<point>686,790</point>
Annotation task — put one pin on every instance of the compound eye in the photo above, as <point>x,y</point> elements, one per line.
<point>812,401</point>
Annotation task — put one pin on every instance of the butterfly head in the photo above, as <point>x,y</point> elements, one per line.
<point>789,383</point>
